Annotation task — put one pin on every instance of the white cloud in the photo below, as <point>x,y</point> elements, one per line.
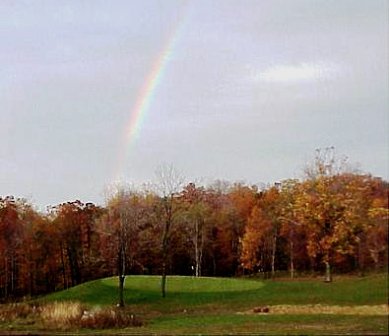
<point>295,73</point>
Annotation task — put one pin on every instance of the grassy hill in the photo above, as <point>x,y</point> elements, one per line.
<point>224,305</point>
<point>241,292</point>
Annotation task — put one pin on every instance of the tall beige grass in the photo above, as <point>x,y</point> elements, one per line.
<point>69,315</point>
<point>62,314</point>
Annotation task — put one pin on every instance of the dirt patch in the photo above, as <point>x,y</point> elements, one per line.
<point>322,309</point>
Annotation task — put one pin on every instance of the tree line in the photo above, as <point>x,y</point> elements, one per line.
<point>332,220</point>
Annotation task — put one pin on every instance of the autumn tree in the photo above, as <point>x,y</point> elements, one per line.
<point>195,215</point>
<point>75,222</point>
<point>236,208</point>
<point>291,230</point>
<point>22,259</point>
<point>257,242</point>
<point>39,252</point>
<point>272,209</point>
<point>334,218</point>
<point>10,244</point>
<point>147,255</point>
<point>376,232</point>
<point>328,207</point>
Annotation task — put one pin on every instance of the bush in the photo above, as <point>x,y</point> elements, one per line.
<point>11,312</point>
<point>108,318</point>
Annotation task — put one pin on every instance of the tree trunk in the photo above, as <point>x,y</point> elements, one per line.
<point>165,243</point>
<point>213,264</point>
<point>65,286</point>
<point>121,290</point>
<point>12,274</point>
<point>122,272</point>
<point>361,258</point>
<point>6,278</point>
<point>198,243</point>
<point>273,257</point>
<point>31,279</point>
<point>328,277</point>
<point>163,280</point>
<point>70,261</point>
<point>291,260</point>
<point>312,265</point>
<point>196,246</point>
<point>165,247</point>
<point>170,182</point>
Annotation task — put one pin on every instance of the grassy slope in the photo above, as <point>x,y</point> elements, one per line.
<point>190,291</point>
<point>209,305</point>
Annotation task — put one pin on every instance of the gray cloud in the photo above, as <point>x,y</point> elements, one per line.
<point>72,71</point>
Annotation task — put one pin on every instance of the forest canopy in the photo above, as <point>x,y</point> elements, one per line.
<point>332,220</point>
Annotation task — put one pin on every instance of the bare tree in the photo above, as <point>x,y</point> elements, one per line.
<point>126,211</point>
<point>327,163</point>
<point>169,183</point>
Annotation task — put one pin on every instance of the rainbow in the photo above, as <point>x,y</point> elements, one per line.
<point>145,99</point>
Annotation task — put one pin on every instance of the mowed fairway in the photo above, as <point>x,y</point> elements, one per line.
<point>225,306</point>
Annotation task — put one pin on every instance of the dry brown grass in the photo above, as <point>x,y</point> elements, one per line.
<point>68,315</point>
<point>324,309</point>
<point>108,318</point>
<point>61,314</point>
<point>11,312</point>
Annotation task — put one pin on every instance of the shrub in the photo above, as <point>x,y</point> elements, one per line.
<point>109,318</point>
<point>11,312</point>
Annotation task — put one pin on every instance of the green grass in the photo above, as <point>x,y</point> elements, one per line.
<point>210,305</point>
<point>146,290</point>
<point>271,324</point>
<point>240,292</point>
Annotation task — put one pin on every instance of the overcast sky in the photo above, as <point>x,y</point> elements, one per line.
<point>248,91</point>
